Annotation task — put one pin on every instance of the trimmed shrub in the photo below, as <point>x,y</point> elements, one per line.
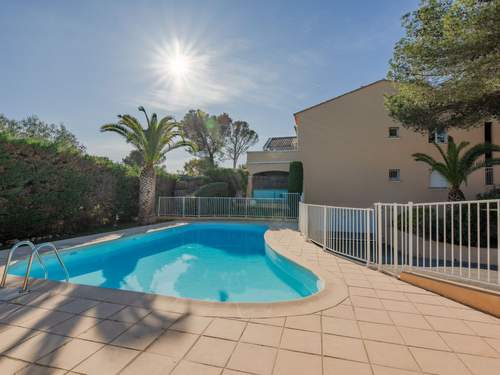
<point>214,189</point>
<point>236,179</point>
<point>48,192</point>
<point>295,177</point>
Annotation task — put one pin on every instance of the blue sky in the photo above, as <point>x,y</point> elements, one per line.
<point>84,62</point>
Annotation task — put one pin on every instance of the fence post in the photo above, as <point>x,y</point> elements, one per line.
<point>183,206</point>
<point>368,238</point>
<point>199,206</point>
<point>324,227</point>
<point>378,208</point>
<point>395,250</point>
<point>158,210</point>
<point>307,222</point>
<point>410,233</point>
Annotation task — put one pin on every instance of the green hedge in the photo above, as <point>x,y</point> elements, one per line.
<point>214,189</point>
<point>295,177</point>
<point>47,192</point>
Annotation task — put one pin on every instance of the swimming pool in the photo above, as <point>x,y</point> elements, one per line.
<point>224,262</point>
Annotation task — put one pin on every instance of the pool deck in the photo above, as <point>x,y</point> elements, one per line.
<point>364,322</point>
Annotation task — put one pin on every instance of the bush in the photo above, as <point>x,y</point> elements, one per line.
<point>236,179</point>
<point>46,190</point>
<point>295,177</point>
<point>214,189</point>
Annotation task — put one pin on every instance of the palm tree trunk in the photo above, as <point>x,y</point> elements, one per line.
<point>147,187</point>
<point>455,194</point>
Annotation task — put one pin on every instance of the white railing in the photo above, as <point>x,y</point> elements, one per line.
<point>457,239</point>
<point>286,207</point>
<point>344,230</point>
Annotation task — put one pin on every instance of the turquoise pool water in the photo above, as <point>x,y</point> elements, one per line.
<point>204,261</point>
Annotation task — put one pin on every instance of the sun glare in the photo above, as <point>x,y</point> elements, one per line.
<point>178,65</point>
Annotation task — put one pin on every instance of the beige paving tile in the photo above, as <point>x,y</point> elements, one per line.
<point>380,332</point>
<point>190,368</point>
<point>130,314</point>
<point>234,372</point>
<point>433,310</point>
<point>108,360</point>
<point>294,363</point>
<point>105,332</point>
<point>244,359</point>
<point>468,344</point>
<point>139,336</point>
<point>40,370</point>
<point>381,370</point>
<point>481,365</point>
<point>302,341</point>
<point>485,329</point>
<point>13,336</point>
<point>345,312</point>
<point>304,322</point>
<point>173,343</point>
<point>211,351</point>
<point>160,319</point>
<point>344,347</point>
<point>494,343</point>
<point>150,364</point>
<point>262,334</point>
<point>10,366</point>
<point>409,320</point>
<point>37,347</point>
<point>344,367</point>
<point>449,325</point>
<point>401,306</point>
<point>77,306</point>
<point>278,321</point>
<point>390,355</point>
<point>372,315</point>
<point>103,310</point>
<point>225,328</point>
<point>191,324</point>
<point>368,302</point>
<point>386,294</point>
<point>364,292</point>
<point>75,326</point>
<point>423,338</point>
<point>70,354</point>
<point>341,327</point>
<point>437,362</point>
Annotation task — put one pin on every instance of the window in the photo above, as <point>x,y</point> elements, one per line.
<point>394,132</point>
<point>437,181</point>
<point>488,176</point>
<point>394,175</point>
<point>438,136</point>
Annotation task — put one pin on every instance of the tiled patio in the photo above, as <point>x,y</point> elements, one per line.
<point>384,326</point>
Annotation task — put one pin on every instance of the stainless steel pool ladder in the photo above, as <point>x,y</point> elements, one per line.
<point>34,252</point>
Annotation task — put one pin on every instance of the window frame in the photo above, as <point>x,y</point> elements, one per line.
<point>397,131</point>
<point>434,136</point>
<point>398,171</point>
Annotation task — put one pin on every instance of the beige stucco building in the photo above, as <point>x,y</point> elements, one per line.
<point>354,154</point>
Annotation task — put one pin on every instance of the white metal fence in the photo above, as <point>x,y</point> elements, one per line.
<point>286,207</point>
<point>458,239</point>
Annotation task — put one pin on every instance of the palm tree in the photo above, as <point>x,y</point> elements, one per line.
<point>455,168</point>
<point>153,143</point>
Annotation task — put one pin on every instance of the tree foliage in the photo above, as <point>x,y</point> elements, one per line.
<point>239,139</point>
<point>207,132</point>
<point>456,168</point>
<point>447,66</point>
<point>197,167</point>
<point>153,143</point>
<point>34,128</point>
<point>295,177</point>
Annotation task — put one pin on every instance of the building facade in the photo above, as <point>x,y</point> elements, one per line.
<point>354,154</point>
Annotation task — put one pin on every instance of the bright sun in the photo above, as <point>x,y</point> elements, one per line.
<point>178,65</point>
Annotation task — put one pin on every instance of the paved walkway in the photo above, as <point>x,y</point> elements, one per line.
<point>384,327</point>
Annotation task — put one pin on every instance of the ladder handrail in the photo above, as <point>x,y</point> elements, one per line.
<point>34,251</point>
<point>58,256</point>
